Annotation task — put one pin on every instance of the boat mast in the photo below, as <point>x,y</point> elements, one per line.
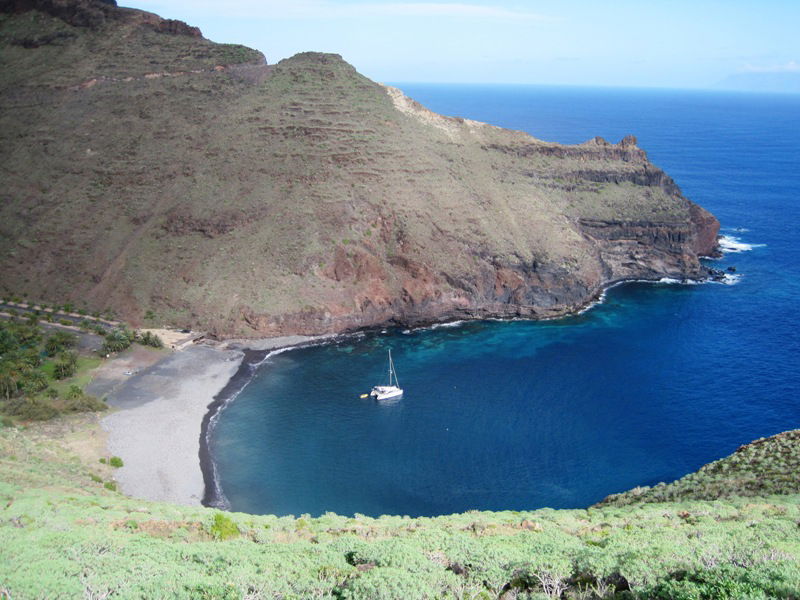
<point>391,370</point>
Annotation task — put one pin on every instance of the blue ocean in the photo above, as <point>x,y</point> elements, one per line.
<point>648,385</point>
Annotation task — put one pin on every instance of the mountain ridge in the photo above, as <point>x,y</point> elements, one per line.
<point>192,180</point>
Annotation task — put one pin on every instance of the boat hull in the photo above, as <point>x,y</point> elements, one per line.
<point>386,392</point>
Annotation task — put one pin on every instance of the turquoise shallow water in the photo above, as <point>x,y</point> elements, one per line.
<point>651,384</point>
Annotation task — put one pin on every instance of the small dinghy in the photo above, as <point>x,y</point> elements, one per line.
<point>392,390</point>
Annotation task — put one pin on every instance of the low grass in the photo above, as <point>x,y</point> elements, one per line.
<point>82,377</point>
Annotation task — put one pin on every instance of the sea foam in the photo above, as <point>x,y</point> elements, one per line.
<point>730,244</point>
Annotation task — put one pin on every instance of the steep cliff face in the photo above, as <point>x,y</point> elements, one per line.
<point>191,179</point>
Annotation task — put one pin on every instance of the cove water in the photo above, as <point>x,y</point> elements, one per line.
<point>651,384</point>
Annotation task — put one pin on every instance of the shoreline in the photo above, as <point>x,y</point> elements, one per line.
<point>256,351</point>
<point>167,413</point>
<point>212,491</point>
<point>163,413</point>
<point>253,357</point>
<point>154,427</point>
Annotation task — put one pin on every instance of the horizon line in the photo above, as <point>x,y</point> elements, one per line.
<point>595,86</point>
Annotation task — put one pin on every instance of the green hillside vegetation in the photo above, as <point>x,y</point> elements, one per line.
<point>63,534</point>
<point>764,467</point>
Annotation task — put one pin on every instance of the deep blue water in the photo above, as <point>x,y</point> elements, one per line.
<point>649,385</point>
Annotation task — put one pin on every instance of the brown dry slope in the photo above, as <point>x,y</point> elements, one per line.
<point>146,168</point>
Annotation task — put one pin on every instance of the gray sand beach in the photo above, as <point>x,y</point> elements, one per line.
<point>155,428</point>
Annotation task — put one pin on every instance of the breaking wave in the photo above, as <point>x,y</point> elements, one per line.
<point>730,244</point>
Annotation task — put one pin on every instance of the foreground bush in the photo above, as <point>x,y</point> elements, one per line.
<point>222,528</point>
<point>729,582</point>
<point>84,403</point>
<point>58,521</point>
<point>30,408</point>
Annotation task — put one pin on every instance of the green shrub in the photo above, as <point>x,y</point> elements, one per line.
<point>74,392</point>
<point>223,528</point>
<point>150,339</point>
<point>51,393</point>
<point>27,335</point>
<point>115,461</point>
<point>66,365</point>
<point>33,382</point>
<point>96,478</point>
<point>84,403</point>
<point>110,485</point>
<point>726,582</point>
<point>117,340</point>
<point>66,322</point>
<point>392,583</point>
<point>30,408</point>
<point>102,460</point>
<point>26,356</point>
<point>211,591</point>
<point>63,370</point>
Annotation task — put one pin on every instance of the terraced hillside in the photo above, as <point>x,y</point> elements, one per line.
<point>64,535</point>
<point>148,169</point>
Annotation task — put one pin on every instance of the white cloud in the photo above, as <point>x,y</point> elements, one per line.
<point>332,9</point>
<point>790,67</point>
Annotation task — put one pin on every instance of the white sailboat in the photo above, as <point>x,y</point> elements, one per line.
<point>392,390</point>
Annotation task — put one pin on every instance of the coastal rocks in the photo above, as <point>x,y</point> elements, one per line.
<point>717,275</point>
<point>595,149</point>
<point>645,250</point>
<point>706,232</point>
<point>493,291</point>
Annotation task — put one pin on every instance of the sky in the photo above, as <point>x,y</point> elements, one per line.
<point>641,43</point>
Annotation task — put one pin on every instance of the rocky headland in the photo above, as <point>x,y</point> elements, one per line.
<point>153,172</point>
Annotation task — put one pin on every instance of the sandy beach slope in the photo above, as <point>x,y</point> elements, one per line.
<point>156,429</point>
<point>160,409</point>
